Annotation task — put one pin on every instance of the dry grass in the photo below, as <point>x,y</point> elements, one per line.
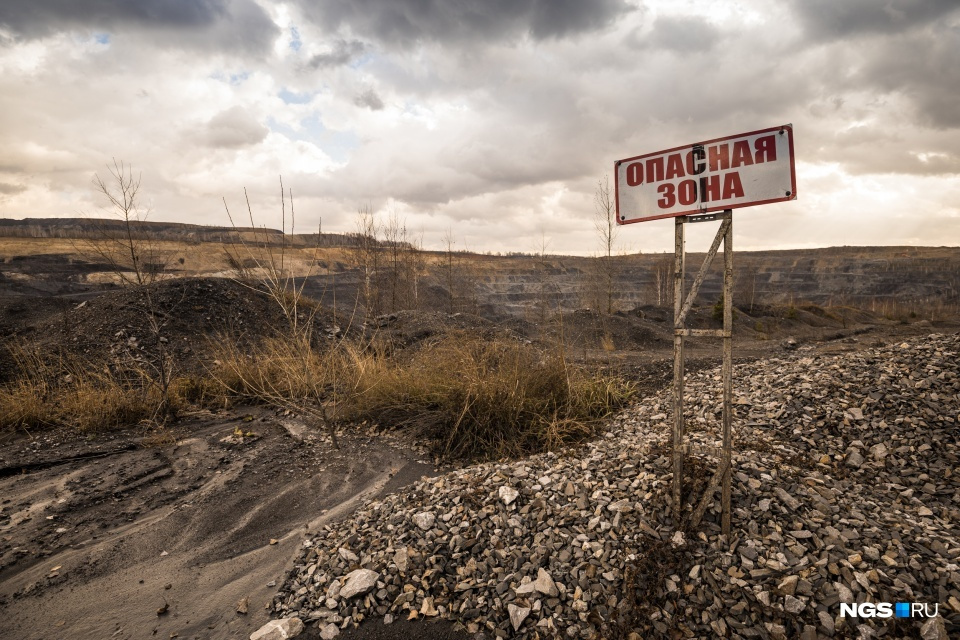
<point>473,397</point>
<point>66,393</point>
<point>87,403</point>
<point>489,398</point>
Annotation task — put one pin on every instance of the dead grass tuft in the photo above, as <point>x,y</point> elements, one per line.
<point>65,392</point>
<point>487,398</point>
<point>474,397</point>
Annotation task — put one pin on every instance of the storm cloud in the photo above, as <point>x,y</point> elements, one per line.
<point>406,22</point>
<point>369,99</point>
<point>494,120</point>
<point>830,19</point>
<point>683,35</point>
<point>234,128</point>
<point>233,24</point>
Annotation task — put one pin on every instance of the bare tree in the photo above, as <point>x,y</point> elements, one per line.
<point>605,223</point>
<point>545,288</point>
<point>745,291</point>
<point>414,265</point>
<point>662,280</point>
<point>366,251</point>
<point>448,269</point>
<point>136,260</point>
<point>395,238</point>
<point>133,256</point>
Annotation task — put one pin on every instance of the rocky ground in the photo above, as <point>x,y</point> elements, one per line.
<point>844,490</point>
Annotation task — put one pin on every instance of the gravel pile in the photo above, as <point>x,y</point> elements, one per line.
<point>845,490</point>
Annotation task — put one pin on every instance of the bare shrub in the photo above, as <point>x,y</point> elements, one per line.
<point>134,257</point>
<point>262,266</point>
<point>605,222</point>
<point>284,370</point>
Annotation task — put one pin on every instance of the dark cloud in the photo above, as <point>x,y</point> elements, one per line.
<point>43,17</point>
<point>831,19</point>
<point>405,22</point>
<point>234,128</point>
<point>683,34</point>
<point>343,52</point>
<point>369,99</point>
<point>11,189</point>
<point>922,67</point>
<point>234,23</point>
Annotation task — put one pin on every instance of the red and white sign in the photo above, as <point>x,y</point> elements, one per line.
<point>726,173</point>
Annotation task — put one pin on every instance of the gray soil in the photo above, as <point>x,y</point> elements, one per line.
<point>130,538</point>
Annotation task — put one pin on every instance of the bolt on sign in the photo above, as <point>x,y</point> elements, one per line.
<point>725,173</point>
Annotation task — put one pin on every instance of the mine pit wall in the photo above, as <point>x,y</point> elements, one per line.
<point>885,280</point>
<point>893,281</point>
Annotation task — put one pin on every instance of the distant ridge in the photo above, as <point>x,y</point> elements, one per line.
<point>92,228</point>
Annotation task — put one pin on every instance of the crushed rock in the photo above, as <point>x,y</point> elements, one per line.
<point>542,546</point>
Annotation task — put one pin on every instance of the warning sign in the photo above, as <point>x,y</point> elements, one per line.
<point>726,173</point>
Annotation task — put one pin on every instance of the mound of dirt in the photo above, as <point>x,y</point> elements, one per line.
<point>589,329</point>
<point>409,328</point>
<point>185,315</point>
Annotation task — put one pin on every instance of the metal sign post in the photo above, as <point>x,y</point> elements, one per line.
<point>681,307</point>
<point>699,183</point>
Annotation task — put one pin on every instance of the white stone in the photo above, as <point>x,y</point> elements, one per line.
<point>427,608</point>
<point>330,631</point>
<point>517,615</point>
<point>424,520</point>
<point>793,605</point>
<point>526,588</point>
<point>934,629</point>
<point>508,494</point>
<point>279,630</point>
<point>358,582</point>
<point>402,559</point>
<point>545,584</point>
<point>333,591</point>
<point>844,592</point>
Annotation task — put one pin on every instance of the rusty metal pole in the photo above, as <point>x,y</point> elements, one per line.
<point>727,372</point>
<point>678,426</point>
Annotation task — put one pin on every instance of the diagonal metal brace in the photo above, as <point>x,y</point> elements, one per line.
<point>702,274</point>
<point>712,487</point>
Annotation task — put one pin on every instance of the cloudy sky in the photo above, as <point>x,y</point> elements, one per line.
<point>492,120</point>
